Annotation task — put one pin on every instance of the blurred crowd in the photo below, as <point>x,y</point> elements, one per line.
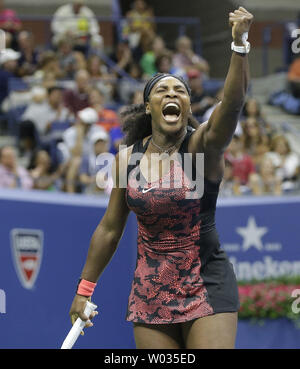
<point>62,104</point>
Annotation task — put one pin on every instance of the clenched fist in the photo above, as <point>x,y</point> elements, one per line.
<point>240,21</point>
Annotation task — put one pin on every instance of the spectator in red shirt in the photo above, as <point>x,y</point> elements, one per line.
<point>78,99</point>
<point>108,119</point>
<point>242,164</point>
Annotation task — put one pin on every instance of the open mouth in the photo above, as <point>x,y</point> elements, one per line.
<point>171,112</point>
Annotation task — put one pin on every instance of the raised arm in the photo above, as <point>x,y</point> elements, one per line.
<point>213,136</point>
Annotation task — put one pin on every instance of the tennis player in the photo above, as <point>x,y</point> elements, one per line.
<point>184,293</point>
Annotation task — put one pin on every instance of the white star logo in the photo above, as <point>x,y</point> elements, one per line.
<point>252,235</point>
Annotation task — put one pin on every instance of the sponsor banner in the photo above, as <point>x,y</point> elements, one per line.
<point>261,241</point>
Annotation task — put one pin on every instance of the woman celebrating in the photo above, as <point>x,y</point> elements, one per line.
<point>184,292</point>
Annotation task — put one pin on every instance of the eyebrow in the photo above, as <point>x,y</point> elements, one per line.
<point>166,87</point>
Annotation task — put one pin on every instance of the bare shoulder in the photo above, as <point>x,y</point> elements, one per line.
<point>196,142</point>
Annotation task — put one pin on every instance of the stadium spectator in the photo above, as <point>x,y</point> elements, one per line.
<point>107,118</point>
<point>230,185</point>
<point>77,99</point>
<point>13,175</point>
<point>42,172</point>
<point>10,23</point>
<point>91,178</point>
<point>128,86</point>
<point>156,48</point>
<point>100,76</point>
<point>164,64</point>
<point>8,70</point>
<point>294,77</point>
<point>122,57</point>
<point>200,102</point>
<point>242,164</point>
<point>252,135</point>
<point>285,161</point>
<point>80,61</point>
<point>28,60</point>
<point>96,67</point>
<point>39,116</point>
<point>48,63</point>
<point>138,23</point>
<point>66,57</point>
<point>265,182</point>
<point>78,23</point>
<point>77,143</point>
<point>185,57</point>
<point>252,109</point>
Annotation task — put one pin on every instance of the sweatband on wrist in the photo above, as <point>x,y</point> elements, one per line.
<point>85,288</point>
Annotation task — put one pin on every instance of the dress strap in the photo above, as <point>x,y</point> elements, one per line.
<point>137,148</point>
<point>184,145</point>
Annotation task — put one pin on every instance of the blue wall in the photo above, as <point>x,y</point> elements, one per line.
<point>38,317</point>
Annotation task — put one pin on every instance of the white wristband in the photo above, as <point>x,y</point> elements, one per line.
<point>245,38</point>
<point>241,49</point>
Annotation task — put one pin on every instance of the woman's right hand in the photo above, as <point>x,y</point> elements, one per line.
<point>77,311</point>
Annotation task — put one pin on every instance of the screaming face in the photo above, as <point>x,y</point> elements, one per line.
<point>169,105</point>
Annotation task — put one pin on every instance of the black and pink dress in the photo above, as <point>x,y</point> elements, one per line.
<point>181,273</point>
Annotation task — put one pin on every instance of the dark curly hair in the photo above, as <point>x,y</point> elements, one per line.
<point>137,124</point>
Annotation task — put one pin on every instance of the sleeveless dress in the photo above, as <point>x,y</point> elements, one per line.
<point>181,273</point>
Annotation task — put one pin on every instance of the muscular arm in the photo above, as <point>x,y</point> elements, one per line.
<point>214,136</point>
<point>108,233</point>
<point>222,123</point>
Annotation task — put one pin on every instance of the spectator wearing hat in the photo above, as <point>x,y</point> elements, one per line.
<point>77,143</point>
<point>78,22</point>
<point>13,175</point>
<point>93,178</point>
<point>8,69</point>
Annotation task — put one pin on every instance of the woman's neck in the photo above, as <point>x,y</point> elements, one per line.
<point>165,141</point>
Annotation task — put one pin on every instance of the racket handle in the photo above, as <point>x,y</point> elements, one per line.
<point>78,327</point>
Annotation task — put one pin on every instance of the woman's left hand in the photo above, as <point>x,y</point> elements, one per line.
<point>240,21</point>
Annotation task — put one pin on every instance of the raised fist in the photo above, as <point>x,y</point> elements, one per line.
<point>240,21</point>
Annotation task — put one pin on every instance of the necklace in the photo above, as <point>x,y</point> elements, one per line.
<point>168,150</point>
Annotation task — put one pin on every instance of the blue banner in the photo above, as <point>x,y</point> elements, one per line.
<point>44,243</point>
<point>261,236</point>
